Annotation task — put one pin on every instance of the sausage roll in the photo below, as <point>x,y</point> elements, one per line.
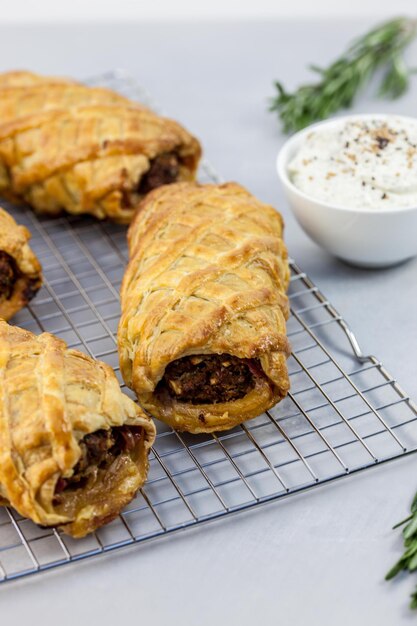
<point>202,337</point>
<point>73,448</point>
<point>20,271</point>
<point>66,146</point>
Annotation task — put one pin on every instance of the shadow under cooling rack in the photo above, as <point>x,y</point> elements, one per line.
<point>344,412</point>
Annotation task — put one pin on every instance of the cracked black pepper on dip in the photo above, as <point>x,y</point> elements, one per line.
<point>368,163</point>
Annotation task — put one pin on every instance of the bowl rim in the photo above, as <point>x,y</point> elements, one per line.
<point>282,161</point>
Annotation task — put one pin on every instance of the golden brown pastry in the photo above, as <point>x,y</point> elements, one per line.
<point>20,271</point>
<point>18,78</point>
<point>202,337</point>
<point>73,448</point>
<point>66,146</point>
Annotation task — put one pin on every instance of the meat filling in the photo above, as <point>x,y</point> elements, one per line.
<point>31,289</point>
<point>8,275</point>
<point>164,170</point>
<point>98,452</point>
<point>209,379</point>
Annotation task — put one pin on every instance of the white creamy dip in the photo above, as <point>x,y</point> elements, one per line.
<point>362,164</point>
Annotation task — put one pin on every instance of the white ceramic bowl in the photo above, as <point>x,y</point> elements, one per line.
<point>364,237</point>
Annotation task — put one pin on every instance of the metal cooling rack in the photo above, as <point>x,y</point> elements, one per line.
<point>344,412</point>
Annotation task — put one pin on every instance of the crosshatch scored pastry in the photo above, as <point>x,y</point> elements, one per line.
<point>73,448</point>
<point>202,337</point>
<point>66,146</point>
<point>20,271</point>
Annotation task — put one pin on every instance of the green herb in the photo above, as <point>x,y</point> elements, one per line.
<point>382,47</point>
<point>408,561</point>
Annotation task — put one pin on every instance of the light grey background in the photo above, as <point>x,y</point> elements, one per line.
<point>317,558</point>
<point>180,10</point>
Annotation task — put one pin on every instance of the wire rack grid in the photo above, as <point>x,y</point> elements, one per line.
<point>344,412</point>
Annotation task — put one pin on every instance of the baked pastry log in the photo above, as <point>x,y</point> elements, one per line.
<point>73,448</point>
<point>20,271</point>
<point>202,337</point>
<point>66,146</point>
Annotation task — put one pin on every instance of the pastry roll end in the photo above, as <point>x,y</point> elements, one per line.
<point>206,393</point>
<point>20,271</point>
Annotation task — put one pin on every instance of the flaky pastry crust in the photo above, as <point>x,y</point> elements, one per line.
<point>207,275</point>
<point>51,397</point>
<point>66,146</point>
<point>22,262</point>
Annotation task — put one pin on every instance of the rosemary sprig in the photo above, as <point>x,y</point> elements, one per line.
<point>339,83</point>
<point>408,561</point>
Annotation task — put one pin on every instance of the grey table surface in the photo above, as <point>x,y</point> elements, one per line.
<point>316,558</point>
